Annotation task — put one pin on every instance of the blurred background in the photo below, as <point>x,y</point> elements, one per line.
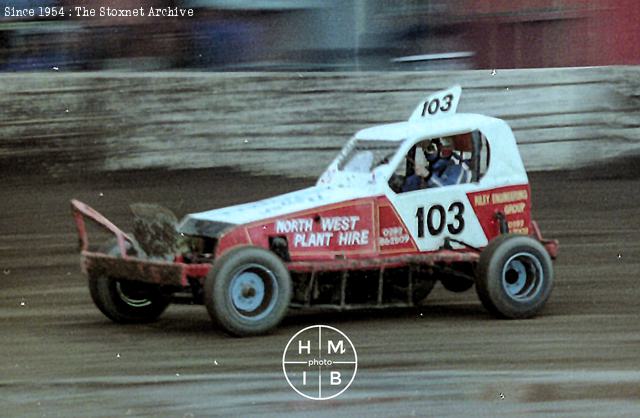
<point>326,35</point>
<point>243,81</point>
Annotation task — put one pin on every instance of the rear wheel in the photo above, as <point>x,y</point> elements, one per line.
<point>515,276</point>
<point>126,301</point>
<point>248,291</point>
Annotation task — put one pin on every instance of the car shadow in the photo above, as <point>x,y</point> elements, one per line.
<point>456,311</point>
<point>193,319</point>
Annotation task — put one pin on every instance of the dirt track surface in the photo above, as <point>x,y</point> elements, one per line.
<point>60,357</point>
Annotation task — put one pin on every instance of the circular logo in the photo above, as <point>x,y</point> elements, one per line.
<point>320,362</point>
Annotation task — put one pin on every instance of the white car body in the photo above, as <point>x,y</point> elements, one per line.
<point>505,174</point>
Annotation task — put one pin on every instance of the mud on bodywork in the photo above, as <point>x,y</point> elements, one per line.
<point>154,228</point>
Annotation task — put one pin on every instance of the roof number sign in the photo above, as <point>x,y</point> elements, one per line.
<point>438,104</point>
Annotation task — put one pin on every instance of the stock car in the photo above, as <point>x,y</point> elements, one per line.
<point>357,239</point>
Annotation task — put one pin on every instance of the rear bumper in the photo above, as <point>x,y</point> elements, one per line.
<point>551,245</point>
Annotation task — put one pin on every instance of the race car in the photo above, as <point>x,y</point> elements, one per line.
<point>443,196</point>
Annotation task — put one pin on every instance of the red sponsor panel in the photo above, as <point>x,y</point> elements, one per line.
<point>393,236</point>
<point>325,232</point>
<point>512,201</point>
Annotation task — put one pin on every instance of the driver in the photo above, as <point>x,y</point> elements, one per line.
<point>445,169</point>
<point>417,180</point>
<point>442,169</point>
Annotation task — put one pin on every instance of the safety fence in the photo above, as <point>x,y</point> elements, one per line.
<point>294,123</point>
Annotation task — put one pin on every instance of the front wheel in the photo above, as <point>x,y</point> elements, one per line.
<point>515,276</point>
<point>126,301</point>
<point>248,291</point>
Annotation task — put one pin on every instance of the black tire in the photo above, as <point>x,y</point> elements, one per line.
<point>125,301</point>
<point>457,284</point>
<point>515,276</point>
<point>423,284</point>
<point>459,277</point>
<point>248,291</point>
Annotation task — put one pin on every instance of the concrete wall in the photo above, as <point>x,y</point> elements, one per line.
<point>294,123</point>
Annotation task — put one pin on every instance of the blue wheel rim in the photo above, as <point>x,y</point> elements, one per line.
<point>253,292</point>
<point>522,277</point>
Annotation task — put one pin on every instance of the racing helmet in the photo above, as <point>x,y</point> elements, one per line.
<point>446,147</point>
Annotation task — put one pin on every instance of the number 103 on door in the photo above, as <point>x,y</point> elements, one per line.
<point>437,218</point>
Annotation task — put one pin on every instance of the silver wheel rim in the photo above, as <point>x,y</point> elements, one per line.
<point>522,277</point>
<point>129,300</point>
<point>253,291</point>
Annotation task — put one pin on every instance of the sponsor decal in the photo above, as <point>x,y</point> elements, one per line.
<point>512,201</point>
<point>345,229</point>
<point>393,235</point>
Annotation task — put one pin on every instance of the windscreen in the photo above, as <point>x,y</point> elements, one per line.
<point>365,155</point>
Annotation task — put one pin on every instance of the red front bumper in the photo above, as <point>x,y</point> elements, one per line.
<point>166,273</point>
<point>163,273</point>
